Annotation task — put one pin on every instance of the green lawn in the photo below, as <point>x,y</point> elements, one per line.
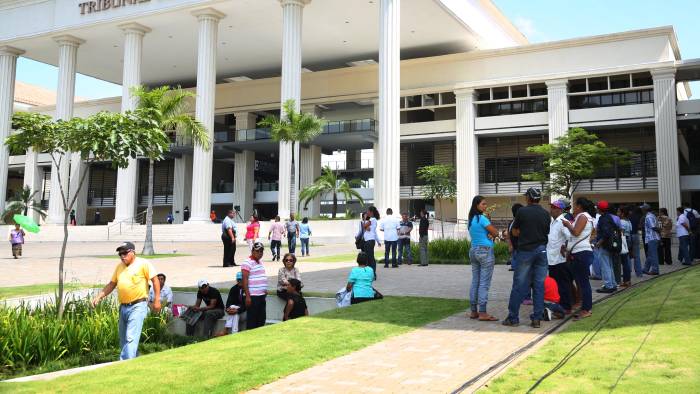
<point>155,256</point>
<point>669,361</point>
<point>247,360</point>
<point>45,288</point>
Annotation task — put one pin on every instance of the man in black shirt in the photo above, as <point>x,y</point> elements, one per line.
<point>235,305</point>
<point>531,226</point>
<point>423,234</point>
<point>212,310</point>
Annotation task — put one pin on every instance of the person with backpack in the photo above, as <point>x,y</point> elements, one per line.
<point>651,239</point>
<point>606,233</point>
<point>683,234</point>
<point>694,223</point>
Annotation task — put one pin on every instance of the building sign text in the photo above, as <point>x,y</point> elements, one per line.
<point>90,7</point>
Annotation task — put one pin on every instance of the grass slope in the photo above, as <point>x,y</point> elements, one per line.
<point>668,362</point>
<point>44,288</point>
<point>247,360</point>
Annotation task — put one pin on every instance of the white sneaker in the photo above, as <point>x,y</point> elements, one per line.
<point>547,315</point>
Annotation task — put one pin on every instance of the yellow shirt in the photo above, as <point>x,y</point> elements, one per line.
<point>132,281</point>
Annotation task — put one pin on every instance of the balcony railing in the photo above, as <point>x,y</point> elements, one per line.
<point>102,197</point>
<point>266,186</point>
<point>333,127</point>
<point>349,126</point>
<point>339,165</point>
<point>413,192</point>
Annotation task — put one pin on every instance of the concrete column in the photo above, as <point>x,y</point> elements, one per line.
<point>32,178</point>
<point>127,178</point>
<point>467,156</point>
<point>387,163</point>
<point>558,104</point>
<point>8,68</point>
<point>65,96</point>
<point>666,134</point>
<point>292,16</point>
<point>309,170</point>
<point>244,182</point>
<point>182,187</point>
<point>204,111</point>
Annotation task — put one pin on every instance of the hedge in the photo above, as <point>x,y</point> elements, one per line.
<point>455,251</point>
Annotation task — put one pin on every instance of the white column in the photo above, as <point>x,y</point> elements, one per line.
<point>32,178</point>
<point>8,68</point>
<point>204,111</point>
<point>65,95</point>
<point>666,133</point>
<point>387,165</point>
<point>244,182</point>
<point>182,186</point>
<point>558,104</point>
<point>292,15</point>
<point>467,156</point>
<point>309,170</point>
<point>127,178</point>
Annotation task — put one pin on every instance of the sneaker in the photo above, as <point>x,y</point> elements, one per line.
<point>605,290</point>
<point>510,323</point>
<point>547,315</point>
<point>535,324</point>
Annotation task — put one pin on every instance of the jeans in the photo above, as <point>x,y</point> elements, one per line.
<point>390,245</point>
<point>513,262</point>
<point>292,242</point>
<point>482,260</point>
<point>405,246</point>
<point>368,248</point>
<point>684,249</point>
<point>562,275</point>
<point>626,267</point>
<point>556,308</point>
<point>606,268</point>
<point>531,268</point>
<point>665,252</point>
<point>637,251</point>
<point>423,245</point>
<point>617,268</point>
<point>130,324</point>
<point>582,262</point>
<point>304,246</point>
<point>208,320</point>
<point>275,247</point>
<point>229,250</point>
<point>256,312</point>
<point>595,265</point>
<point>652,262</point>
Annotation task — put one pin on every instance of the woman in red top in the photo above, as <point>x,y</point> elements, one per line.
<point>252,230</point>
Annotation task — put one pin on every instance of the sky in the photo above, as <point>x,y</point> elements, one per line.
<point>539,20</point>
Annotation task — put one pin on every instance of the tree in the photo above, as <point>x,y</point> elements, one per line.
<point>440,185</point>
<point>105,136</point>
<point>328,182</point>
<point>164,108</point>
<point>294,127</point>
<point>21,203</point>
<point>573,157</point>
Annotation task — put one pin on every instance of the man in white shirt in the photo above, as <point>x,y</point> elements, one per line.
<point>556,242</point>
<point>166,294</point>
<point>684,238</point>
<point>390,226</point>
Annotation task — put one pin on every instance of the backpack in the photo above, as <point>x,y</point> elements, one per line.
<point>693,222</point>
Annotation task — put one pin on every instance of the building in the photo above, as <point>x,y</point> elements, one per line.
<point>402,85</point>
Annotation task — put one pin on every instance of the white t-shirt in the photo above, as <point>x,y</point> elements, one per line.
<point>558,234</point>
<point>390,226</point>
<point>584,243</point>
<point>166,295</point>
<point>680,229</point>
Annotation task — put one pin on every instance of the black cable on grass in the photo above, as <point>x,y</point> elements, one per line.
<point>651,327</point>
<point>607,316</point>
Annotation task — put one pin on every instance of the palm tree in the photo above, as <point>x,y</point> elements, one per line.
<point>21,203</point>
<point>165,108</point>
<point>328,182</point>
<point>294,127</point>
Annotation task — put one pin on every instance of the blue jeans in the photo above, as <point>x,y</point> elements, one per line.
<point>513,261</point>
<point>304,246</point>
<point>626,267</point>
<point>684,249</point>
<point>130,324</point>
<point>556,308</point>
<point>637,252</point>
<point>606,268</point>
<point>292,242</point>
<point>582,264</point>
<point>596,263</point>
<point>390,245</point>
<point>652,262</point>
<point>531,268</point>
<point>405,246</point>
<point>482,260</point>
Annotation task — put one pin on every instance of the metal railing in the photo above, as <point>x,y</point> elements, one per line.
<point>340,165</point>
<point>332,127</point>
<point>102,197</point>
<point>139,218</point>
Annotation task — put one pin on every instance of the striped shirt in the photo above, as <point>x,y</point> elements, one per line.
<point>257,279</point>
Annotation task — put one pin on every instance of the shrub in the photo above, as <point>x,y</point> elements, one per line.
<point>455,251</point>
<point>32,336</point>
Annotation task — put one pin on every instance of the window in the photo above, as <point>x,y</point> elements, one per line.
<point>538,89</point>
<point>518,91</point>
<point>611,99</point>
<point>500,93</point>
<point>428,107</point>
<point>413,101</point>
<point>402,102</point>
<point>620,81</point>
<point>577,85</point>
<point>417,116</point>
<point>512,107</point>
<point>430,100</point>
<point>483,94</point>
<point>642,79</point>
<point>448,98</point>
<point>599,83</point>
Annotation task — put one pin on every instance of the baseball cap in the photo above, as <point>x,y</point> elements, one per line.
<point>558,204</point>
<point>645,206</point>
<point>202,282</point>
<point>126,246</point>
<point>602,204</point>
<point>534,193</point>
<point>239,276</point>
<point>258,246</point>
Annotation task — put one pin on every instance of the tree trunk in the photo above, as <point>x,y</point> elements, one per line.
<point>61,303</point>
<point>442,219</point>
<point>148,243</point>
<point>335,204</point>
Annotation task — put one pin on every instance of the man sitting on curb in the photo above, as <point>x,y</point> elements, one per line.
<point>212,310</point>
<point>166,294</point>
<point>235,307</point>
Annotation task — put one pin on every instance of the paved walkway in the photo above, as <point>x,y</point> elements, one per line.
<point>438,358</point>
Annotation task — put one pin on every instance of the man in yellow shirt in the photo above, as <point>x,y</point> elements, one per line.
<point>131,280</point>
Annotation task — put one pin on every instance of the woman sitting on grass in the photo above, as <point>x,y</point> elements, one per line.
<point>360,281</point>
<point>296,304</point>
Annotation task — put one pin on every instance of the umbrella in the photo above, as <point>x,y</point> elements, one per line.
<point>28,223</point>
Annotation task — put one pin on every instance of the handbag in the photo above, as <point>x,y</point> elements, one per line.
<point>569,255</point>
<point>359,243</point>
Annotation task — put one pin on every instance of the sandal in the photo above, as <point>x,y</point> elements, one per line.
<point>582,315</point>
<point>474,315</point>
<point>486,317</point>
